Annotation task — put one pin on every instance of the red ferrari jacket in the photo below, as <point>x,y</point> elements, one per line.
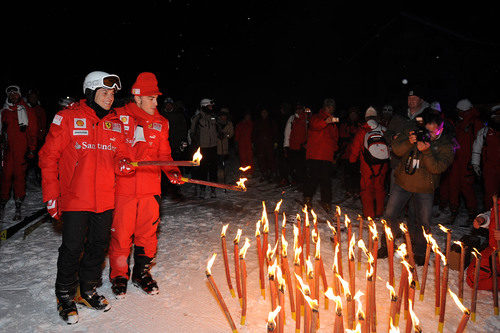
<point>79,157</point>
<point>17,139</point>
<point>322,138</point>
<point>146,180</point>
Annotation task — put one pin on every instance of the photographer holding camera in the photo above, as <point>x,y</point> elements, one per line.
<point>425,153</point>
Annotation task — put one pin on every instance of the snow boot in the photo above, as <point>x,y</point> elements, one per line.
<point>66,305</point>
<point>17,214</point>
<point>141,277</point>
<point>91,299</point>
<point>119,286</point>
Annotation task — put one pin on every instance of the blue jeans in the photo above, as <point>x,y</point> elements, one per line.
<point>419,212</point>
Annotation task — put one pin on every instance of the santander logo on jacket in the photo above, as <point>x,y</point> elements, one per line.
<point>79,157</point>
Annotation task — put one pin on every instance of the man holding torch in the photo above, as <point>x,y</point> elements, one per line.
<point>138,196</point>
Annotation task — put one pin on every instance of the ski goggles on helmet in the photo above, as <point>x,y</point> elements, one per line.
<point>112,81</point>
<point>13,89</point>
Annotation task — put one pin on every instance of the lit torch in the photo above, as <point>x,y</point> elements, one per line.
<point>360,219</point>
<point>444,288</point>
<point>271,322</point>
<point>339,241</point>
<point>429,239</point>
<point>237,265</point>
<point>243,264</point>
<point>350,303</point>
<point>261,260</point>
<point>477,257</point>
<point>389,238</point>
<point>461,271</point>
<point>414,320</point>
<point>226,260</point>
<point>352,274</point>
<point>411,257</point>
<point>394,299</point>
<point>276,224</point>
<point>465,311</point>
<point>286,270</point>
<point>339,320</point>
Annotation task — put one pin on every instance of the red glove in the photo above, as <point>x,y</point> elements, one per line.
<point>175,177</point>
<point>53,209</point>
<point>124,168</point>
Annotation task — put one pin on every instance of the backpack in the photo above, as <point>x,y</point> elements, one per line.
<point>376,150</point>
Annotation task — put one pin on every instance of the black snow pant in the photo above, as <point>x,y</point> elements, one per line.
<point>297,163</point>
<point>86,232</point>
<point>318,173</point>
<point>208,165</point>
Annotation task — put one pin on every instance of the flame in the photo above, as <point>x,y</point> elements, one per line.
<point>272,315</point>
<point>427,236</point>
<point>296,255</point>
<point>361,245</point>
<point>317,254</point>
<point>209,264</point>
<point>356,330</point>
<point>283,224</point>
<point>337,210</point>
<point>304,288</point>
<point>245,168</point>
<point>476,253</point>
<point>337,299</point>
<point>370,271</point>
<point>295,236</point>
<point>392,328</point>
<point>373,229</point>
<point>359,314</point>
<point>403,228</point>
<point>264,217</point>
<point>278,205</point>
<point>314,236</point>
<point>223,232</point>
<point>238,235</point>
<point>345,286</point>
<point>457,301</point>
<point>388,231</point>
<point>414,318</point>
<point>329,293</point>
<point>459,243</point>
<point>443,257</point>
<point>313,303</point>
<point>241,183</point>
<point>391,290</point>
<point>336,259</point>
<point>257,228</point>
<point>332,228</point>
<point>401,250</point>
<point>284,247</point>
<point>444,229</point>
<point>352,243</point>
<point>270,252</point>
<point>271,270</point>
<point>347,221</point>
<point>243,250</point>
<point>197,156</point>
<point>306,213</point>
<point>409,270</point>
<point>280,279</point>
<point>309,267</point>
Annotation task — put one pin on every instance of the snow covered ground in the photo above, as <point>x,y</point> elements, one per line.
<point>189,233</point>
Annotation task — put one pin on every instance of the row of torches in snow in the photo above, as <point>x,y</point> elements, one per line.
<point>305,302</point>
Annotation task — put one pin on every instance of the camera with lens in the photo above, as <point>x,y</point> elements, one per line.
<point>423,135</point>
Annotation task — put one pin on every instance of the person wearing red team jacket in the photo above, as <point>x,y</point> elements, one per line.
<point>84,149</point>
<point>137,200</point>
<point>322,142</point>
<point>19,132</point>
<point>243,137</point>
<point>372,189</point>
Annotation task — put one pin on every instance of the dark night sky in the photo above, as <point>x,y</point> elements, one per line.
<point>239,52</point>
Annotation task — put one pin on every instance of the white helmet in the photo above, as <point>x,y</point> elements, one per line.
<point>98,79</point>
<point>206,102</point>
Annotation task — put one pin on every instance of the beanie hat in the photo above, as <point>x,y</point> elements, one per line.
<point>464,104</point>
<point>146,85</point>
<point>370,112</point>
<point>13,89</point>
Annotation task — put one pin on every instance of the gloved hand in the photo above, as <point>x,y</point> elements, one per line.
<point>175,177</point>
<point>53,209</point>
<point>124,168</point>
<point>477,169</point>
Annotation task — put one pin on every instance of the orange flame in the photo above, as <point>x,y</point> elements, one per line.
<point>313,303</point>
<point>241,183</point>
<point>314,236</point>
<point>393,329</point>
<point>370,271</point>
<point>315,217</point>
<point>306,213</point>
<point>278,205</point>
<point>359,314</point>
<point>283,224</point>
<point>309,267</point>
<point>476,253</point>
<point>243,250</point>
<point>356,330</point>
<point>257,228</point>
<point>443,257</point>
<point>296,255</point>
<point>271,270</point>
<point>208,271</point>
<point>409,271</point>
<point>427,236</point>
<point>414,318</point>
<point>352,243</point>
<point>347,220</point>
<point>391,291</point>
<point>373,230</point>
<point>223,232</point>
<point>459,243</point>
<point>248,167</point>
<point>270,252</point>
<point>304,288</point>
<point>336,259</point>
<point>264,218</point>
<point>317,254</point>
<point>284,247</point>
<point>238,235</point>
<point>401,250</point>
<point>457,301</point>
<point>361,245</point>
<point>345,286</point>
<point>295,236</point>
<point>332,228</point>
<point>337,209</point>
<point>272,316</point>
<point>388,231</point>
<point>403,228</point>
<point>444,229</point>
<point>197,156</point>
<point>280,279</point>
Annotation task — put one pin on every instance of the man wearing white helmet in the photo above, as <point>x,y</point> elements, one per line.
<point>204,135</point>
<point>83,151</point>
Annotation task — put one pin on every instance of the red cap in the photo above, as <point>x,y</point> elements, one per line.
<point>146,85</point>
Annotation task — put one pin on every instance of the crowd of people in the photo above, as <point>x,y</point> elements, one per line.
<point>397,162</point>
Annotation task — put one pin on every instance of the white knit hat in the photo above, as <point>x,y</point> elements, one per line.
<point>370,112</point>
<point>464,104</point>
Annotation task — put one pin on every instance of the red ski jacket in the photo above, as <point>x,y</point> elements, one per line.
<point>146,180</point>
<point>16,138</point>
<point>298,132</point>
<point>79,157</point>
<point>466,131</point>
<point>322,138</point>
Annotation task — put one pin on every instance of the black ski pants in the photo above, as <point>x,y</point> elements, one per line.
<point>318,173</point>
<point>87,233</point>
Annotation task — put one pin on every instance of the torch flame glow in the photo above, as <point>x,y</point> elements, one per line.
<point>356,330</point>
<point>306,213</point>
<point>265,221</point>
<point>401,250</point>
<point>359,314</point>
<point>336,259</point>
<point>347,220</point>
<point>315,217</point>
<point>278,205</point>
<point>370,271</point>
<point>443,228</point>
<point>272,315</point>
<point>329,293</point>
<point>309,267</point>
<point>271,270</point>
<point>361,245</point>
<point>296,255</point>
<point>257,228</point>
<point>313,303</point>
<point>373,230</point>
<point>270,252</point>
<point>388,231</point>
<point>295,236</point>
<point>317,254</point>
<point>241,183</point>
<point>352,243</point>
<point>283,224</point>
<point>414,318</point>
<point>243,250</point>
<point>443,257</point>
<point>197,156</point>
<point>223,232</point>
<point>304,288</point>
<point>403,228</point>
<point>238,235</point>
<point>427,236</point>
<point>459,243</point>
<point>391,290</point>
<point>393,329</point>
<point>345,286</point>
<point>476,253</point>
<point>332,228</point>
<point>314,236</point>
<point>457,301</point>
<point>245,168</point>
<point>337,209</point>
<point>409,271</point>
<point>284,247</point>
<point>208,271</point>
<point>280,279</point>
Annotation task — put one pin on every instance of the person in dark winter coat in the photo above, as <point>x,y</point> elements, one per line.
<point>263,138</point>
<point>294,143</point>
<point>281,157</point>
<point>347,132</point>
<point>243,139</point>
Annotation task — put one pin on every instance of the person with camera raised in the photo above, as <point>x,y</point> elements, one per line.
<point>425,153</point>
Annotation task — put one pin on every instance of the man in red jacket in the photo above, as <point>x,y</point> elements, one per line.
<point>138,196</point>
<point>84,149</point>
<point>461,172</point>
<point>322,141</point>
<point>19,132</point>
<point>370,147</point>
